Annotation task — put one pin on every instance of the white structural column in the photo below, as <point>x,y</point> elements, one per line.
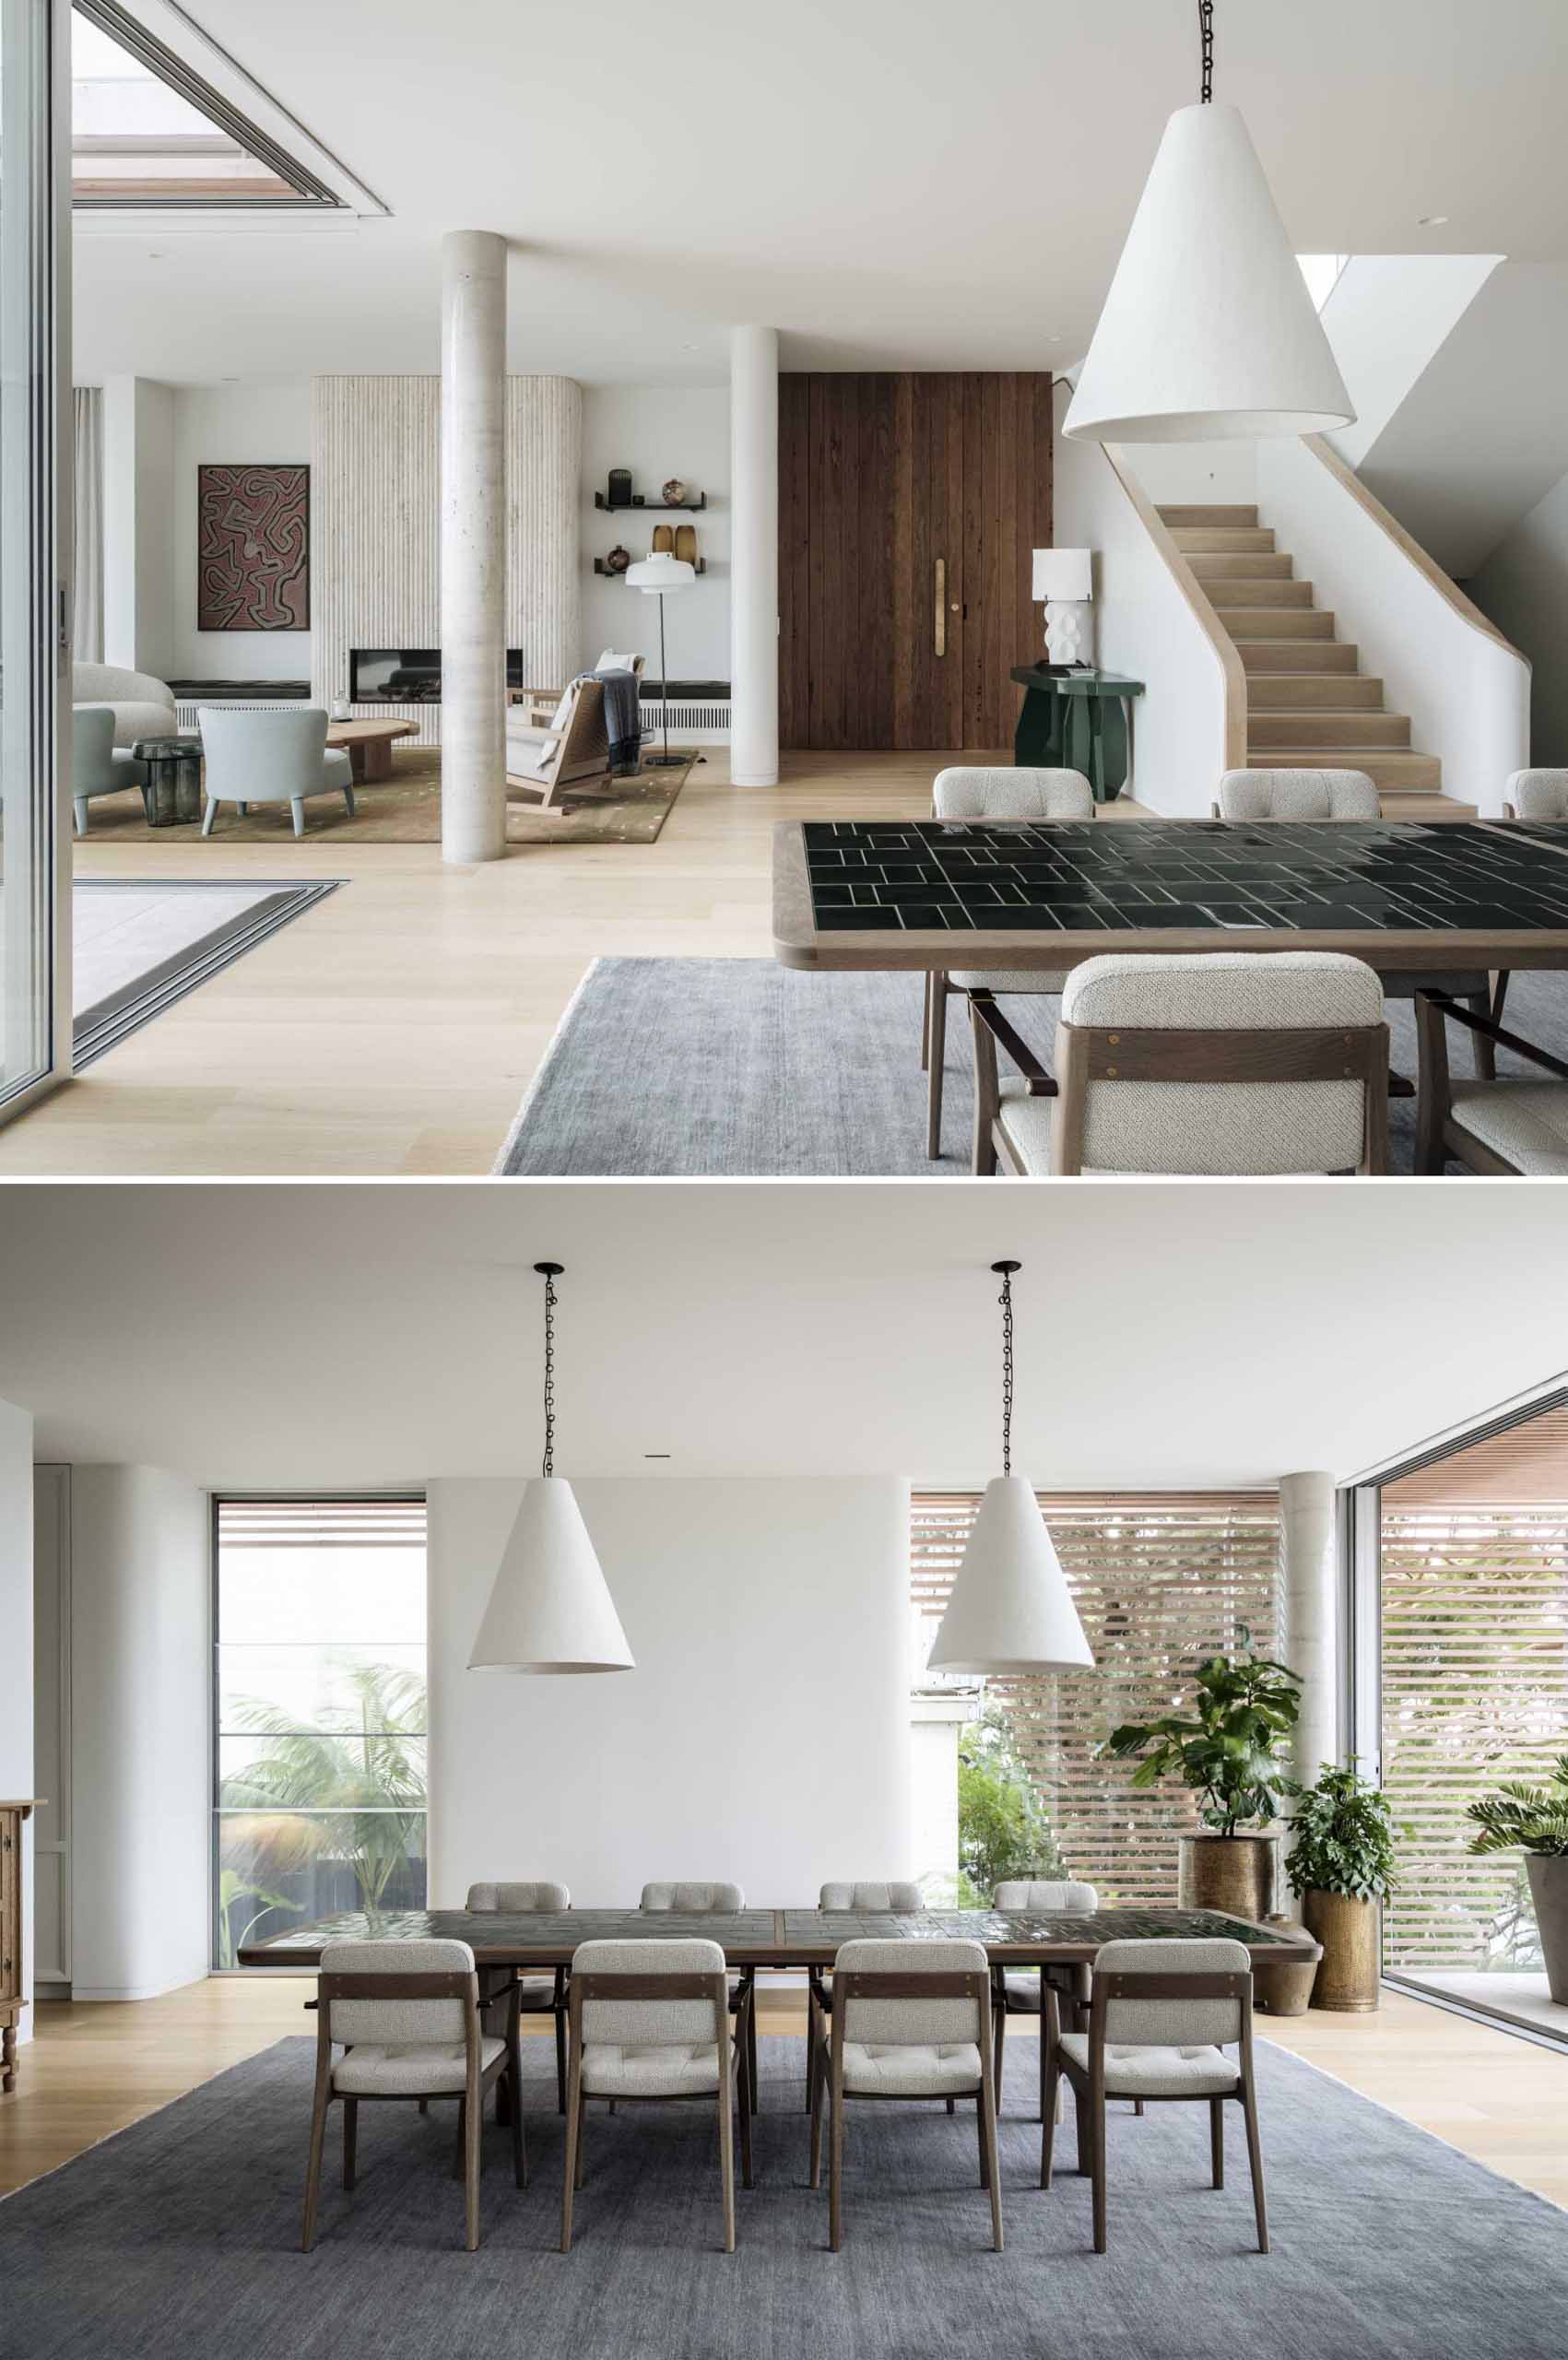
<point>1309,1582</point>
<point>754,556</point>
<point>472,546</point>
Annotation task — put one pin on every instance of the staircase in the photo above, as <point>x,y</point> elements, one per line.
<point>1309,705</point>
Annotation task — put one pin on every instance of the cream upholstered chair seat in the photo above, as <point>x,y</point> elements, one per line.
<point>1157,2073</point>
<point>1524,1122</point>
<point>1538,794</point>
<point>409,2068</point>
<point>651,2068</point>
<point>1297,794</point>
<point>911,2068</point>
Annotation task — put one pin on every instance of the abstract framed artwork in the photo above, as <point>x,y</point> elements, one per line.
<point>253,549</point>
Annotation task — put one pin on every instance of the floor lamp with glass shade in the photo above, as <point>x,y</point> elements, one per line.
<point>550,1609</point>
<point>1009,1612</point>
<point>656,577</point>
<point>1208,330</point>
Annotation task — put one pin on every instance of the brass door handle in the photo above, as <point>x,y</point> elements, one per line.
<point>941,630</point>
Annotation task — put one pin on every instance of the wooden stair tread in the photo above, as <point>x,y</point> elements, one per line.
<point>1345,731</point>
<point>1343,693</point>
<point>1276,622</point>
<point>1211,540</point>
<point>1389,767</point>
<point>1182,513</point>
<point>1241,565</point>
<point>1231,593</point>
<point>1322,658</point>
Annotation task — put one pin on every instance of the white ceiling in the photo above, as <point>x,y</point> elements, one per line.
<point>892,183</point>
<point>1167,1335</point>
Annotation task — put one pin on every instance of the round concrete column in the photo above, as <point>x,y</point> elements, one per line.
<point>472,546</point>
<point>1310,1581</point>
<point>754,556</point>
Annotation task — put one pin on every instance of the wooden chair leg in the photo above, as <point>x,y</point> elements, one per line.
<point>1498,993</point>
<point>993,2162</point>
<point>351,2138</point>
<point>727,2139</point>
<point>980,2136</point>
<point>814,2077</point>
<point>569,2172</point>
<point>937,1028</point>
<point>1050,2107</point>
<point>1217,2139</point>
<point>952,2105</point>
<point>581,2148</point>
<point>313,2169</point>
<point>1085,2125</point>
<point>810,2045</point>
<point>559,2062</point>
<point>515,2089</point>
<point>1001,2035</point>
<point>1255,2162</point>
<point>754,2092</point>
<point>474,2112</point>
<point>461,2148</point>
<point>835,2166</point>
<point>925,1013</point>
<point>746,2178</point>
<point>987,1089</point>
<point>424,2105</point>
<point>1137,2106</point>
<point>1097,2149</point>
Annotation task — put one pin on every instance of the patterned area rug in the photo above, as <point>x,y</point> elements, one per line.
<point>405,809</point>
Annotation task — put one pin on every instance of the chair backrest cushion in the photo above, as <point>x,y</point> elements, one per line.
<point>517,1898</point>
<point>263,757</point>
<point>1173,2023</point>
<point>964,793</point>
<point>868,1893</point>
<point>92,746</point>
<point>912,2022</point>
<point>1057,1894</point>
<point>1298,795</point>
<point>608,660</point>
<point>113,684</point>
<point>391,2022</point>
<point>1539,795</point>
<point>648,2020</point>
<point>1224,1126</point>
<point>693,1900</point>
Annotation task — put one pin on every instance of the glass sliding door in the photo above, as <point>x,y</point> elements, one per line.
<point>33,656</point>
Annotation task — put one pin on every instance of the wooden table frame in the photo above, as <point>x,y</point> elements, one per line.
<point>368,745</point>
<point>798,943</point>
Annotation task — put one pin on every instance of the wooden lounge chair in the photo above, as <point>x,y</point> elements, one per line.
<point>572,747</point>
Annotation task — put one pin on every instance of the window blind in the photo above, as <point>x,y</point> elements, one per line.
<point>1475,1690</point>
<point>321,1524</point>
<point>1161,1580</point>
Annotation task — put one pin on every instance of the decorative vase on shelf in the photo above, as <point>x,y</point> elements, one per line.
<point>674,493</point>
<point>618,560</point>
<point>617,493</point>
<point>339,708</point>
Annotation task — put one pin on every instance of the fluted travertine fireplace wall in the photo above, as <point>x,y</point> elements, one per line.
<point>374,577</point>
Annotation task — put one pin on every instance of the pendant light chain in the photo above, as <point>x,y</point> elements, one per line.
<point>549,1468</point>
<point>1205,34</point>
<point>1005,1299</point>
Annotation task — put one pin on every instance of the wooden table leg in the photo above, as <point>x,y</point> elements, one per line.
<point>370,758</point>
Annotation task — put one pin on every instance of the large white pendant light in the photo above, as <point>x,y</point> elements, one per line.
<point>550,1609</point>
<point>1011,1610</point>
<point>1208,329</point>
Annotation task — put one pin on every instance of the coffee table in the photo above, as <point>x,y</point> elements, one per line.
<point>172,796</point>
<point>368,745</point>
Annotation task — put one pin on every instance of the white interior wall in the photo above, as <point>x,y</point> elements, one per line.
<point>1385,319</point>
<point>232,426</point>
<point>764,1734</point>
<point>139,530</point>
<point>1524,587</point>
<point>658,431</point>
<point>140,1715</point>
<point>16,1654</point>
<point>1198,473</point>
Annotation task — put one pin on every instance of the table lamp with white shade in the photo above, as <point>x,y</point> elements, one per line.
<point>1064,578</point>
<point>654,576</point>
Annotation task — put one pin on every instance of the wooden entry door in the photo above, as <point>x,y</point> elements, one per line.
<point>909,508</point>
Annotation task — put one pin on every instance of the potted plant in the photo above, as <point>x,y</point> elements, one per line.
<point>1225,1748</point>
<point>1536,1820</point>
<point>1341,1866</point>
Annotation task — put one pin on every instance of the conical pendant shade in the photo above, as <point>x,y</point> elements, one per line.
<point>550,1609</point>
<point>1011,1610</point>
<point>1208,329</point>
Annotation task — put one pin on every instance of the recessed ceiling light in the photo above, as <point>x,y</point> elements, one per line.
<point>1432,221</point>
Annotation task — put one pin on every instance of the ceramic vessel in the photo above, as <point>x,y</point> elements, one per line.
<point>673,492</point>
<point>618,560</point>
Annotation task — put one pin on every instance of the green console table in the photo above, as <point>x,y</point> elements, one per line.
<point>1075,721</point>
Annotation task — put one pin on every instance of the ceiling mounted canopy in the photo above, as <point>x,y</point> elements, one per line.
<point>1011,1610</point>
<point>1208,330</point>
<point>550,1609</point>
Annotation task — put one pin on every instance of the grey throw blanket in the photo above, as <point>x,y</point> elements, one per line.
<point>623,717</point>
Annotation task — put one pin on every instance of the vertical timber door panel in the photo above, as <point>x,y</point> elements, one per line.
<point>882,480</point>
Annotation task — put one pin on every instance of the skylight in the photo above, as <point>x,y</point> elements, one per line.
<point>148,130</point>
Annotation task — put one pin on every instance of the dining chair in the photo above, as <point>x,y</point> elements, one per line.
<point>856,1896</point>
<point>1536,794</point>
<point>696,1899</point>
<point>1517,1126</point>
<point>1161,2017</point>
<point>1021,1990</point>
<point>651,2021</point>
<point>1211,1062</point>
<point>1351,794</point>
<point>908,2020</point>
<point>965,793</point>
<point>538,1995</point>
<point>407,2017</point>
<point>277,757</point>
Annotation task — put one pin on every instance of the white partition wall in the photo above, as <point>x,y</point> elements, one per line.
<point>16,1655</point>
<point>764,1736</point>
<point>754,591</point>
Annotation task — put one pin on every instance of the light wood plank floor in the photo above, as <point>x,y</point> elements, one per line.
<point>90,2071</point>
<point>395,1029</point>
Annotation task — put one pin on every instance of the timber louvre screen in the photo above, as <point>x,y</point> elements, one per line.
<point>1161,1580</point>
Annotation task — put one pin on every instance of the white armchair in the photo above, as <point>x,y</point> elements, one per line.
<point>142,706</point>
<point>98,765</point>
<point>279,756</point>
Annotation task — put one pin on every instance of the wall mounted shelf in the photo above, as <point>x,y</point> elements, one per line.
<point>655,507</point>
<point>601,567</point>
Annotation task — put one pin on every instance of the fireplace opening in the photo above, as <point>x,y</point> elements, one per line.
<point>408,675</point>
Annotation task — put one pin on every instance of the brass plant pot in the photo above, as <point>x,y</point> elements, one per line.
<point>1284,1987</point>
<point>1351,1971</point>
<point>1238,1875</point>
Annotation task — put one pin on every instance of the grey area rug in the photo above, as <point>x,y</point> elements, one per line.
<point>141,944</point>
<point>179,2239</point>
<point>739,1068</point>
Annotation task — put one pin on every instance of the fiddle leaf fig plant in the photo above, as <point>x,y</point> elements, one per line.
<point>1226,1747</point>
<point>1344,1837</point>
<point>1525,1818</point>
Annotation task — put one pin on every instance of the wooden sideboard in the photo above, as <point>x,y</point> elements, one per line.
<point>11,1817</point>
